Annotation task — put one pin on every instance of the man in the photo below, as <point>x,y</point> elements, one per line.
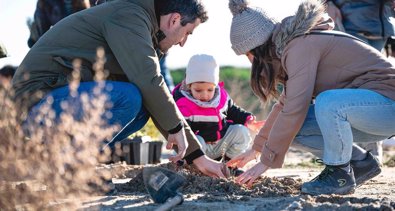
<point>129,32</point>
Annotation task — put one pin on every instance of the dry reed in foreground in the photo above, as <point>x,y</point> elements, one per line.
<point>52,163</point>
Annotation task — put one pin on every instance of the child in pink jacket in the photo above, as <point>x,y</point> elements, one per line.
<point>220,125</point>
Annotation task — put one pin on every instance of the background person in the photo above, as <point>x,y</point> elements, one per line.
<point>6,74</point>
<point>7,71</point>
<point>3,51</point>
<point>49,12</point>
<point>370,20</point>
<point>164,70</point>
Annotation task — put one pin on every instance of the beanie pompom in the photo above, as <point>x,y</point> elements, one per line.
<point>251,26</point>
<point>238,6</point>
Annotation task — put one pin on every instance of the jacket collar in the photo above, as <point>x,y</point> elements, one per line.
<point>213,103</point>
<point>310,15</point>
<point>149,7</point>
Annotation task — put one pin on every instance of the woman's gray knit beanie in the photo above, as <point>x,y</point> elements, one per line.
<point>251,26</point>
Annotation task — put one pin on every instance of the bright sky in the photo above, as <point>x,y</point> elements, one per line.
<point>211,37</point>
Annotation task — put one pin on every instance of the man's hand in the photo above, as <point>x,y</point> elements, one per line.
<point>179,139</point>
<point>209,167</point>
<point>241,160</point>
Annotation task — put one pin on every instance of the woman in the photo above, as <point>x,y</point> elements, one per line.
<point>352,84</point>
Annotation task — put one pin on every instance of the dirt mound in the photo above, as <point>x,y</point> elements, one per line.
<point>217,189</point>
<point>277,191</point>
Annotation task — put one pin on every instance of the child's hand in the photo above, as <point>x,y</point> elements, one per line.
<point>241,160</point>
<point>255,125</point>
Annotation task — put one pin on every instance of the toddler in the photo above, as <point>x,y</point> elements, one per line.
<point>220,125</point>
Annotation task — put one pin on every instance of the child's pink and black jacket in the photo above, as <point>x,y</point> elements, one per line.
<point>210,120</point>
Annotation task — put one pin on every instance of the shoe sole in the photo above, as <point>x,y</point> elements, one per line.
<point>364,179</point>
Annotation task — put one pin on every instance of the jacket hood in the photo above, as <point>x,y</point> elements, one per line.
<point>310,15</point>
<point>213,103</point>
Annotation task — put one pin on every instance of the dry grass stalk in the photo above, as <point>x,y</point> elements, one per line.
<point>56,162</point>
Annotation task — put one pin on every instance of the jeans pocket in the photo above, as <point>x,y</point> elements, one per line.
<point>56,81</point>
<point>86,72</point>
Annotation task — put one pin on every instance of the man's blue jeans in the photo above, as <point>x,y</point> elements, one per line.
<point>124,101</point>
<point>341,117</point>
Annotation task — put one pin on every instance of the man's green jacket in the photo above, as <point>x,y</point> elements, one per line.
<point>126,30</point>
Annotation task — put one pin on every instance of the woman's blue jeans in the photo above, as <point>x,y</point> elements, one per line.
<point>341,117</point>
<point>124,100</point>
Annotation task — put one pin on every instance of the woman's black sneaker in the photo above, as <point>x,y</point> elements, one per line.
<point>365,169</point>
<point>332,180</point>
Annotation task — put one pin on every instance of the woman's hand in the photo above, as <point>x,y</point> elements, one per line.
<point>241,160</point>
<point>252,174</point>
<point>209,167</point>
<point>180,140</point>
<point>255,125</point>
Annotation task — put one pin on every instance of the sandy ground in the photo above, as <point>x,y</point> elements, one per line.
<point>378,194</point>
<point>280,190</point>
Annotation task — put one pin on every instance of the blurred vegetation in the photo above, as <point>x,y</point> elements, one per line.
<point>149,129</point>
<point>312,163</point>
<point>49,163</point>
<point>227,74</point>
<point>390,162</point>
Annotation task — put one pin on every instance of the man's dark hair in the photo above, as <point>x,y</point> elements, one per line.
<point>7,71</point>
<point>189,10</point>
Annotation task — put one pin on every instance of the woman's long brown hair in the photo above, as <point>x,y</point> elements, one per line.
<point>264,78</point>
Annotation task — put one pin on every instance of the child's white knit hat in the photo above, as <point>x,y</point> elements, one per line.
<point>202,68</point>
